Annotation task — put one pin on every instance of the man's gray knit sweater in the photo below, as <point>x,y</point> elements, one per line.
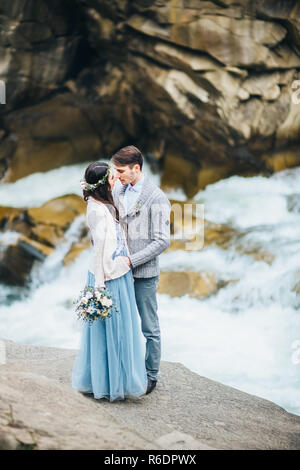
<point>146,226</point>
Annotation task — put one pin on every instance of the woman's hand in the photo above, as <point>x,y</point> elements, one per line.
<point>126,259</point>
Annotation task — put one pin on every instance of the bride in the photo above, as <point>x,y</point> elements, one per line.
<point>110,362</point>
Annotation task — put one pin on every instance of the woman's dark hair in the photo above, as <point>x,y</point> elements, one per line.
<point>94,172</point>
<point>130,156</point>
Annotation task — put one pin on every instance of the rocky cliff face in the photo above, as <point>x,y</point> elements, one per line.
<point>203,87</point>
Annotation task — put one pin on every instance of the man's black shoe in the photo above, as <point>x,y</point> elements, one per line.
<point>151,385</point>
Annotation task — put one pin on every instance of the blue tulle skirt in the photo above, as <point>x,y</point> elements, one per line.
<point>110,362</point>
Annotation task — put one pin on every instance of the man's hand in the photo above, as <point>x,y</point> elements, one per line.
<point>126,259</point>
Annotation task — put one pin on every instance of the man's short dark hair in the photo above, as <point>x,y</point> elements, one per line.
<point>129,155</point>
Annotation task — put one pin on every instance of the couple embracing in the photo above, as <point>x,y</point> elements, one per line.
<point>129,221</point>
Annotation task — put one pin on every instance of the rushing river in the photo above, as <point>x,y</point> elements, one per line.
<point>246,336</point>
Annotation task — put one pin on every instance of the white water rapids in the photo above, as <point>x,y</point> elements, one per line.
<point>246,336</point>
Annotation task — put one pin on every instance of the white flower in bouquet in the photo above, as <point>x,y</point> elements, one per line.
<point>107,302</point>
<point>87,305</point>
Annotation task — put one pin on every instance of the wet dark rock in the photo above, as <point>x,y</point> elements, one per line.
<point>203,87</point>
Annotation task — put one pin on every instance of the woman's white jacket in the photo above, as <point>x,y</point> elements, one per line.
<point>104,235</point>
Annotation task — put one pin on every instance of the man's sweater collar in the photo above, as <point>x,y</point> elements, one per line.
<point>147,190</point>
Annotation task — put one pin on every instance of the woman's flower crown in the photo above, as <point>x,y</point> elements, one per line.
<point>91,187</point>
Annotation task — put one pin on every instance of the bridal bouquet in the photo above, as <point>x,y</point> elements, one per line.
<point>94,303</point>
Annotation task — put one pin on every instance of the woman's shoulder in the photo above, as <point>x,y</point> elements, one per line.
<point>95,208</point>
<point>101,208</point>
<point>92,202</point>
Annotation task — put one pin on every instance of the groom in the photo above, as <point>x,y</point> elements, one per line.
<point>144,212</point>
